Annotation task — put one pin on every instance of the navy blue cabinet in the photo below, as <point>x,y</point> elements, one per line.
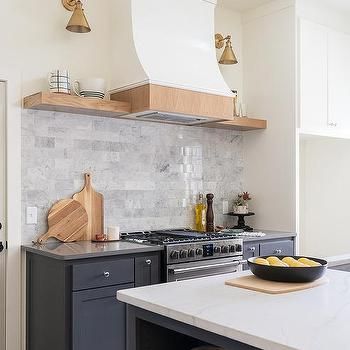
<point>270,247</point>
<point>72,305</point>
<point>99,319</point>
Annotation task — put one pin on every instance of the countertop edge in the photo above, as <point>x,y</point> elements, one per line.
<point>271,236</point>
<point>145,249</point>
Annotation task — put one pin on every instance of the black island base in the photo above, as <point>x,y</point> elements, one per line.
<point>149,331</point>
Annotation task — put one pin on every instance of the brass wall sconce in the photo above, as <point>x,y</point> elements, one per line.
<point>228,56</point>
<point>78,22</point>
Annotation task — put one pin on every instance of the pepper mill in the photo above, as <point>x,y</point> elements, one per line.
<point>210,213</point>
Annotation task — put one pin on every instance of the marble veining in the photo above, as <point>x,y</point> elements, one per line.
<point>149,173</point>
<point>312,319</point>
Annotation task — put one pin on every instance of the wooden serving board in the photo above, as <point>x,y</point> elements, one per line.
<point>252,282</point>
<point>67,220</point>
<point>92,201</point>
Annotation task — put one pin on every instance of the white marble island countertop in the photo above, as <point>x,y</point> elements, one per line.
<point>313,319</point>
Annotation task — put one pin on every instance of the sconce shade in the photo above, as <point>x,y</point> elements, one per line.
<point>228,56</point>
<point>78,22</point>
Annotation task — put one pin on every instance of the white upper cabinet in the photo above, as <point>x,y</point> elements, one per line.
<point>324,80</point>
<point>339,80</point>
<point>313,75</point>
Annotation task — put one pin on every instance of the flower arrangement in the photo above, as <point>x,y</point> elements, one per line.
<point>240,204</point>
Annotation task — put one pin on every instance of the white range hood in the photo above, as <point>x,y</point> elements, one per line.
<point>165,62</point>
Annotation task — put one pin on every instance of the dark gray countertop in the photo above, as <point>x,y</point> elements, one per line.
<point>270,235</point>
<point>86,249</point>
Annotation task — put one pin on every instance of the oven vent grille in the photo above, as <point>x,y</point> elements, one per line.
<point>172,118</point>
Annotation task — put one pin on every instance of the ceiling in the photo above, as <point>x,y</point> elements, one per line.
<point>243,5</point>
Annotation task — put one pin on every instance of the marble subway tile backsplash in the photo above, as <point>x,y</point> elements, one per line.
<point>149,173</point>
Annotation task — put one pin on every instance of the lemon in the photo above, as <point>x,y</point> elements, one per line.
<point>278,263</point>
<point>271,259</point>
<point>309,262</point>
<point>297,263</point>
<point>289,260</point>
<point>261,261</point>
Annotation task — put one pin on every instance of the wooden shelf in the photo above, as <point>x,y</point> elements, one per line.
<point>76,105</point>
<point>241,124</point>
<point>117,109</point>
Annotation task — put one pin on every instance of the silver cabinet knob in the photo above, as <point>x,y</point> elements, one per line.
<point>278,251</point>
<point>251,249</point>
<point>148,261</point>
<point>106,274</point>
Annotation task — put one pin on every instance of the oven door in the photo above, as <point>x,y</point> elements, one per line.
<point>185,271</point>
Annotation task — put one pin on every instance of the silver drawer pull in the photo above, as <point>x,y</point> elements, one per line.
<point>278,251</point>
<point>148,261</point>
<point>106,274</point>
<point>252,249</point>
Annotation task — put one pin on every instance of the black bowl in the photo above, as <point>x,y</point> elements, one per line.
<point>288,274</point>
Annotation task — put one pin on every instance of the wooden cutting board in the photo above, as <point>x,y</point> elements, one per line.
<point>67,220</point>
<point>92,201</point>
<point>252,282</point>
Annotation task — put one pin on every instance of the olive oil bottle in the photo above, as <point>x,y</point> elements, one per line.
<point>200,213</point>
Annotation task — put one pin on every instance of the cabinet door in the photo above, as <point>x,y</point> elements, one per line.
<point>313,76</point>
<point>338,80</point>
<point>250,250</point>
<point>99,319</point>
<point>147,270</point>
<point>277,248</point>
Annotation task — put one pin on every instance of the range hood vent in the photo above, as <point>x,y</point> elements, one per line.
<point>172,118</point>
<point>164,60</point>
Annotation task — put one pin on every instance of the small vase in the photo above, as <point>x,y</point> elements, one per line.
<point>240,209</point>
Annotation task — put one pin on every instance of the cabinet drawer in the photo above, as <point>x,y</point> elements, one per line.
<point>277,248</point>
<point>102,274</point>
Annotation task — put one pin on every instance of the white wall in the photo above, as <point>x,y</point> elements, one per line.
<point>269,90</point>
<point>324,196</point>
<point>228,22</point>
<point>36,41</point>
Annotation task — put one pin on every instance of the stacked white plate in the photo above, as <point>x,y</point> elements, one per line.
<point>93,94</point>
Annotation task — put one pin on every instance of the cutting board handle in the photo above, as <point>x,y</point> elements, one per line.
<point>43,238</point>
<point>87,179</point>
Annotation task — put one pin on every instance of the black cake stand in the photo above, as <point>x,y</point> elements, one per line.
<point>241,222</point>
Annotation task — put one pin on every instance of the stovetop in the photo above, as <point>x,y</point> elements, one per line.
<point>184,245</point>
<point>175,236</point>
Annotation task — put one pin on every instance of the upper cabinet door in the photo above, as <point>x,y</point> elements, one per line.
<point>313,39</point>
<point>339,80</point>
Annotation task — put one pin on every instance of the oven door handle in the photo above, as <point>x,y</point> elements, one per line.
<point>204,267</point>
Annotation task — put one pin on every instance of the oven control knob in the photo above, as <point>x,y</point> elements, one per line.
<point>238,247</point>
<point>174,254</point>
<point>199,251</point>
<point>191,253</point>
<point>232,248</point>
<point>217,249</point>
<point>224,249</point>
<point>183,254</point>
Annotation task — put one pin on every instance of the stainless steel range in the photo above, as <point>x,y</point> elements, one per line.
<point>189,254</point>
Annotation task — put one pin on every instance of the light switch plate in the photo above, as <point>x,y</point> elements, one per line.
<point>32,215</point>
